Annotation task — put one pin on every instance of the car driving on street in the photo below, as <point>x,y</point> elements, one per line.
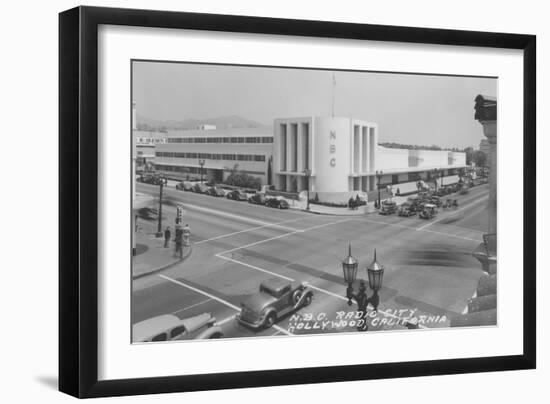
<point>275,299</point>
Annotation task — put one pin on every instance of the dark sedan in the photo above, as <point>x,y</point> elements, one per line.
<point>276,203</point>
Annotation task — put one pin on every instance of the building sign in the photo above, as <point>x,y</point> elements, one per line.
<point>332,147</point>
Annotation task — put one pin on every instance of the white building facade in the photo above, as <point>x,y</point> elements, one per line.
<point>340,157</point>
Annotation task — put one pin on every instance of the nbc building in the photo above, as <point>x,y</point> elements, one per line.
<point>333,157</point>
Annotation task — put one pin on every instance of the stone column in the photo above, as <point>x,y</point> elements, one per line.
<point>486,114</point>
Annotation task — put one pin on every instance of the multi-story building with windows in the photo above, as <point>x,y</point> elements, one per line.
<point>220,150</point>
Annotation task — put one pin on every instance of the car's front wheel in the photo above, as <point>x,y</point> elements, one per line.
<point>270,320</point>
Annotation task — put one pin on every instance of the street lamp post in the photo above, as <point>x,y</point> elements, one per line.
<point>379,175</point>
<point>307,173</point>
<point>159,228</point>
<point>375,272</point>
<point>201,163</point>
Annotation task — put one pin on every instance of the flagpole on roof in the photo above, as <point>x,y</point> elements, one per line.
<point>333,93</point>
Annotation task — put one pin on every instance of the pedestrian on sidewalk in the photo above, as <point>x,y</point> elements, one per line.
<point>178,250</point>
<point>167,236</point>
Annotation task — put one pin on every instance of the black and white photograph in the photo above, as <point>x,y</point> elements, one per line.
<point>275,201</point>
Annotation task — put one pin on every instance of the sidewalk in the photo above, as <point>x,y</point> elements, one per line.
<point>329,210</point>
<point>340,211</point>
<point>152,257</point>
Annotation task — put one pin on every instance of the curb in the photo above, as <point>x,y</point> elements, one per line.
<point>164,267</point>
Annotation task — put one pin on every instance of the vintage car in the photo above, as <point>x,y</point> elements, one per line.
<point>168,327</point>
<point>387,208</point>
<point>215,191</point>
<point>278,203</point>
<point>407,209</point>
<point>275,299</point>
<point>200,188</point>
<point>236,195</point>
<point>184,186</point>
<point>258,199</point>
<point>152,179</point>
<point>429,211</point>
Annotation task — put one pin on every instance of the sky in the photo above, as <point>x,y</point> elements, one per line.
<point>412,109</point>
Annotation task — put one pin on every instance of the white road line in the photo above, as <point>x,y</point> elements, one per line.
<point>211,296</point>
<point>202,292</point>
<point>249,229</point>
<point>255,267</point>
<point>225,320</point>
<point>483,199</point>
<point>233,216</point>
<point>193,305</point>
<point>308,283</point>
<point>281,236</point>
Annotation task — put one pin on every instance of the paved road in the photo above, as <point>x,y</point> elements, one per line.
<point>429,268</point>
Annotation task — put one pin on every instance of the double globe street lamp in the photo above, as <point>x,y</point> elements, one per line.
<point>375,273</point>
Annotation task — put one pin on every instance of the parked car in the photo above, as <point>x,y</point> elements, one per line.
<point>435,200</point>
<point>276,203</point>
<point>387,208</point>
<point>275,299</point>
<point>464,190</point>
<point>236,195</point>
<point>257,198</point>
<point>215,191</point>
<point>152,179</point>
<point>428,211</point>
<point>200,188</point>
<point>168,327</point>
<point>184,186</point>
<point>407,209</point>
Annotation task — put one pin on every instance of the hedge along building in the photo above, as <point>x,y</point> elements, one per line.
<point>337,157</point>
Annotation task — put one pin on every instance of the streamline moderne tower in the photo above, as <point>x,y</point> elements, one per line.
<point>342,156</point>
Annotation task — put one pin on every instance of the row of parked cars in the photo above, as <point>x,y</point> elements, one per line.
<point>257,198</point>
<point>425,204</point>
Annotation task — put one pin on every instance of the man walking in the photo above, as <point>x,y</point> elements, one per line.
<point>167,235</point>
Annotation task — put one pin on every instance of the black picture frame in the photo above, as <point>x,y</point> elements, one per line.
<point>78,196</point>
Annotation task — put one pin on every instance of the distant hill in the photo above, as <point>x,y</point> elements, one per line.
<point>222,122</point>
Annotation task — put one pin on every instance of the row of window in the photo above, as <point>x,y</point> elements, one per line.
<point>196,170</point>
<point>212,156</point>
<point>225,139</point>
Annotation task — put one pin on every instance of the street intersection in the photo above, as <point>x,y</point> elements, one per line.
<point>429,270</point>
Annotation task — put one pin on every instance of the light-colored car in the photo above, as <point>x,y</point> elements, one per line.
<point>275,299</point>
<point>168,327</point>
